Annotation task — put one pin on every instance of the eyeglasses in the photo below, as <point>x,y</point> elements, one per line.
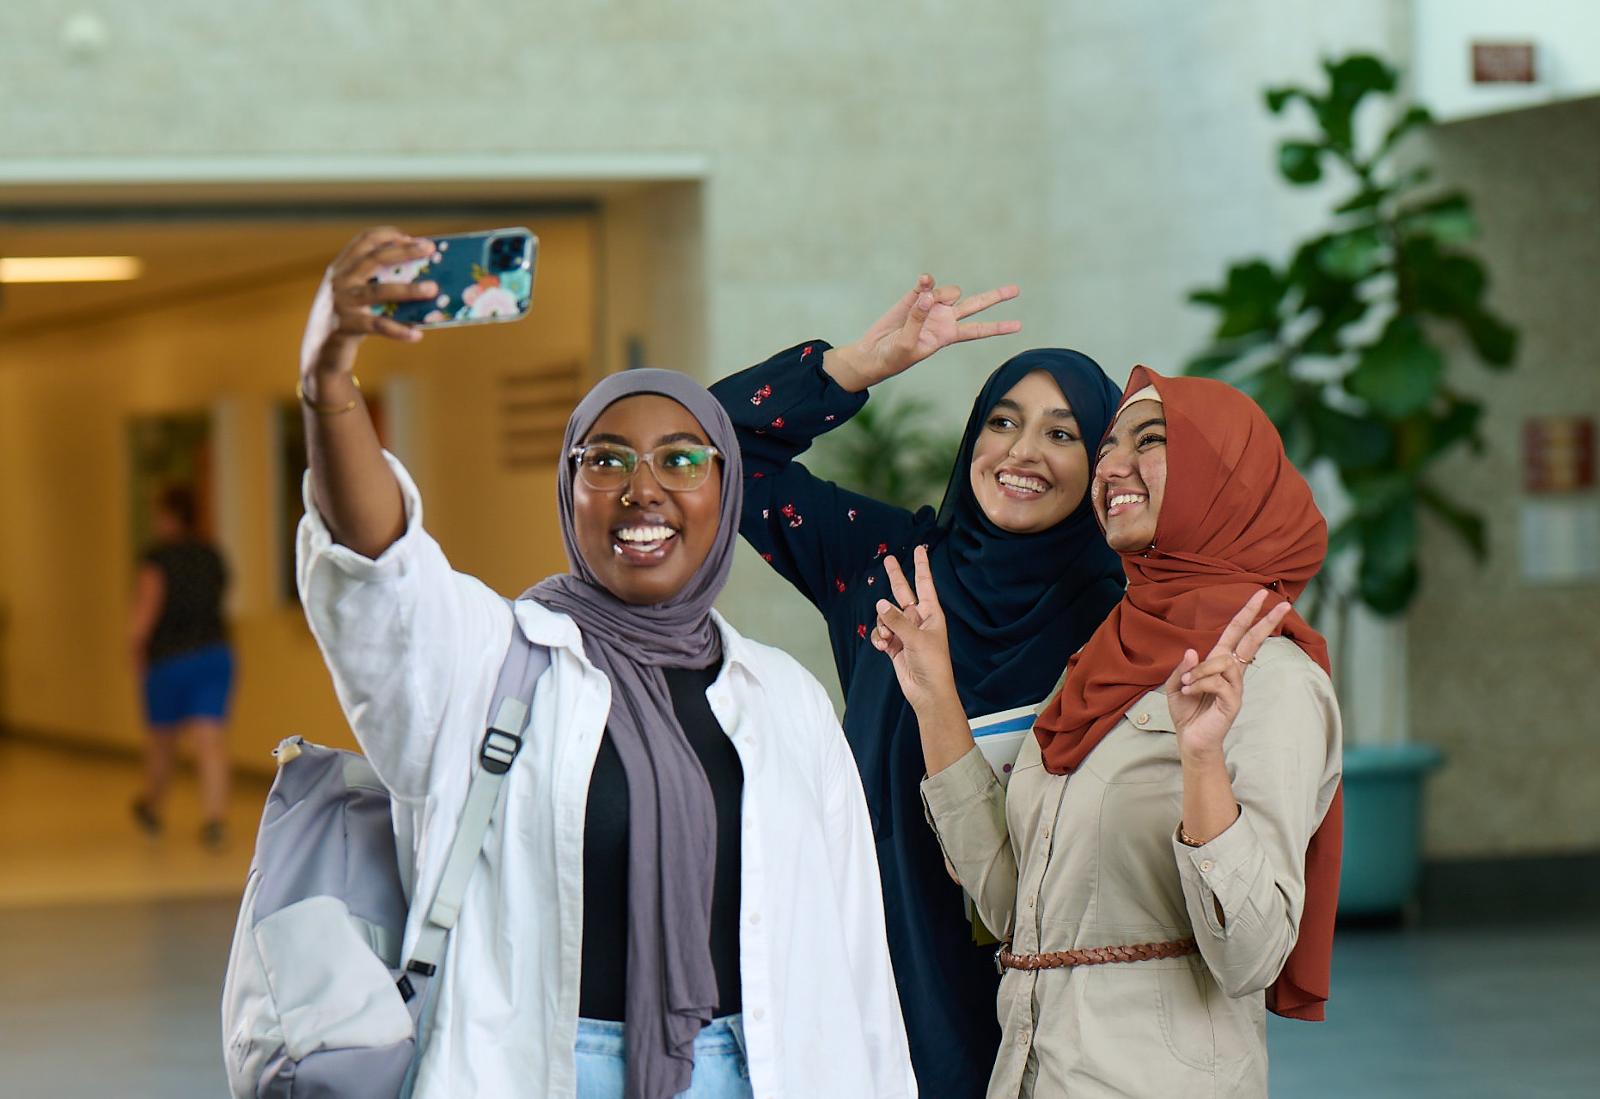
<point>679,467</point>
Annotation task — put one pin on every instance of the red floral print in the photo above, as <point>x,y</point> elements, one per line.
<point>761,394</point>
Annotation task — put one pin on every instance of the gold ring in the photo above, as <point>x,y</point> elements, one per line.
<point>1241,659</point>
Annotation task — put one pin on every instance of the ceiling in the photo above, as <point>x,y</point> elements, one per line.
<point>180,256</point>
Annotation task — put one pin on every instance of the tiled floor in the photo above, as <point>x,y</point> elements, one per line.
<point>66,834</point>
<point>115,994</point>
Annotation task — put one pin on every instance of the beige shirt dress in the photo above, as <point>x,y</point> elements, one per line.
<point>1092,859</point>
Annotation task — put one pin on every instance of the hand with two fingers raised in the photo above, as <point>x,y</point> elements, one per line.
<point>1204,697</point>
<point>912,632</point>
<point>924,320</point>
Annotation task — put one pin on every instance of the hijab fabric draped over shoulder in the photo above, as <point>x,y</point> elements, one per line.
<point>671,985</point>
<point>1236,517</point>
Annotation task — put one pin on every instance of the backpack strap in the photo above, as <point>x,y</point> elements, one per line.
<point>525,662</point>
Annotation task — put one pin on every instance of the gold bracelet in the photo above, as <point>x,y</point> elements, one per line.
<point>1186,839</point>
<point>324,410</point>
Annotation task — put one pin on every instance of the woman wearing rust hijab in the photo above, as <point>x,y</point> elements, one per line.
<point>1166,856</point>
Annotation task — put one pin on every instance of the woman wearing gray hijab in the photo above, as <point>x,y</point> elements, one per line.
<point>680,893</point>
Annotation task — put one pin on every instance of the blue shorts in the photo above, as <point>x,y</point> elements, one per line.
<point>190,685</point>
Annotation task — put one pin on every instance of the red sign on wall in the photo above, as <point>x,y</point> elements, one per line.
<point>1557,454</point>
<point>1503,63</point>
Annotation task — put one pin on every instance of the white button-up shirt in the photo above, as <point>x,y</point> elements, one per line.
<point>415,649</point>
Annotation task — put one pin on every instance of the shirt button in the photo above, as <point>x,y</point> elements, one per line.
<point>1022,1037</point>
<point>1046,833</point>
<point>1142,719</point>
<point>755,917</point>
<point>1205,866</point>
<point>759,1013</point>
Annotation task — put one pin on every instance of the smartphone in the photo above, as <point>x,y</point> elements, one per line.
<point>483,278</point>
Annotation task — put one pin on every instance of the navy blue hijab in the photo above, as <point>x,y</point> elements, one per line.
<point>1014,600</point>
<point>1017,605</point>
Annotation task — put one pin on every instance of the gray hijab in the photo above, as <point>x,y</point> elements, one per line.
<point>672,985</point>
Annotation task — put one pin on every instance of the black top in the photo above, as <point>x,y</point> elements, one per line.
<point>602,991</point>
<point>194,576</point>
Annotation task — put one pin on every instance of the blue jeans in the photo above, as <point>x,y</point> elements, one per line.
<point>720,1071</point>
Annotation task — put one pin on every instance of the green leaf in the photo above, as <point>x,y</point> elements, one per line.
<point>1448,219</point>
<point>1350,79</point>
<point>1274,390</point>
<point>1248,301</point>
<point>1353,255</point>
<point>1414,117</point>
<point>1300,162</point>
<point>1352,443</point>
<point>1333,300</point>
<point>1387,593</point>
<point>1355,75</point>
<point>1214,361</point>
<point>1447,284</point>
<point>1387,576</point>
<point>1278,98</point>
<point>1493,339</point>
<point>1400,373</point>
<point>1367,198</point>
<point>1468,525</point>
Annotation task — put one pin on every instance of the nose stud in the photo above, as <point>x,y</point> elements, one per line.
<point>627,500</point>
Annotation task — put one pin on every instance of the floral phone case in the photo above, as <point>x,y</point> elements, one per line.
<point>482,278</point>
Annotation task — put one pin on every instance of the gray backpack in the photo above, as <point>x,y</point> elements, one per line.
<point>317,1004</point>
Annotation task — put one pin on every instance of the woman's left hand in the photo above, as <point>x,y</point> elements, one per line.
<point>1204,697</point>
<point>924,320</point>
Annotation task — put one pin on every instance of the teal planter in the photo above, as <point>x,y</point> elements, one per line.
<point>1383,826</point>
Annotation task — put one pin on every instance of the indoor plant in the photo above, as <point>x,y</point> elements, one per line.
<point>1340,346</point>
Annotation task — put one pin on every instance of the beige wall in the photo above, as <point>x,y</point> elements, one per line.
<point>1500,669</point>
<point>67,393</point>
<point>1107,156</point>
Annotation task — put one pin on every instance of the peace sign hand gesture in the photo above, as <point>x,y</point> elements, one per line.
<point>914,637</point>
<point>1204,698</point>
<point>924,320</point>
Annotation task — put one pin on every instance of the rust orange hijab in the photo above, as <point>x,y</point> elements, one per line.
<point>1236,517</point>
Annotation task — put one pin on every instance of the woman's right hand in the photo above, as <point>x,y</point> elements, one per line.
<point>922,322</point>
<point>341,316</point>
<point>915,638</point>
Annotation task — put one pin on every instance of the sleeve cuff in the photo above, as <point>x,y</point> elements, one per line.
<point>1216,868</point>
<point>317,541</point>
<point>968,779</point>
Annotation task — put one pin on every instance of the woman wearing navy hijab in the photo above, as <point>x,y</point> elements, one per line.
<point>1016,545</point>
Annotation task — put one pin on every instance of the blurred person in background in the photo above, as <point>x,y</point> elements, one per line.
<point>1026,576</point>
<point>1165,860</point>
<point>180,652</point>
<point>680,896</point>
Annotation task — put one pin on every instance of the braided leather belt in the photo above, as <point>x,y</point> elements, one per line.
<point>1094,955</point>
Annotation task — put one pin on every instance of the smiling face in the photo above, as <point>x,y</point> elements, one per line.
<point>1130,477</point>
<point>1029,463</point>
<point>646,550</point>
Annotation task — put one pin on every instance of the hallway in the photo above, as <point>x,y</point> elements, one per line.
<point>117,946</point>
